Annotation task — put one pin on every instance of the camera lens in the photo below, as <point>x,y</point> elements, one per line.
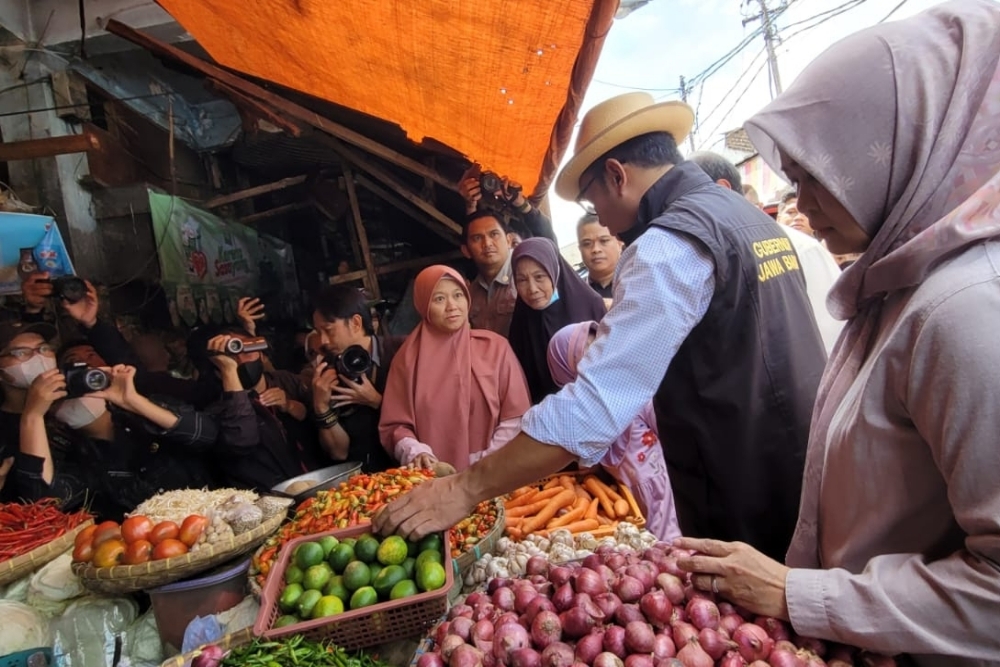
<point>356,360</point>
<point>96,380</point>
<point>234,346</point>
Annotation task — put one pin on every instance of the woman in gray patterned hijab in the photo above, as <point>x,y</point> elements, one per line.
<point>893,139</point>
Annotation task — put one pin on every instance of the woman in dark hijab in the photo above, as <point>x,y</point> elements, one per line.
<point>550,296</point>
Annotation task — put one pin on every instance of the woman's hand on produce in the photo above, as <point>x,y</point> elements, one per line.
<point>737,572</point>
<point>423,461</point>
<point>47,388</point>
<point>420,512</point>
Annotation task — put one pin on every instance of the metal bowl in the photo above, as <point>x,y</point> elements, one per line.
<point>323,479</point>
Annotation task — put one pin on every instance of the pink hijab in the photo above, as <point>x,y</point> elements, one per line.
<point>448,390</point>
<point>901,123</point>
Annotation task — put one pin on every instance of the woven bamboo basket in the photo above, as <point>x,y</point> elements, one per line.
<point>130,578</point>
<point>487,545</point>
<point>20,566</point>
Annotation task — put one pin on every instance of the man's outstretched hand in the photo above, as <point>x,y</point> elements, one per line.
<point>433,506</point>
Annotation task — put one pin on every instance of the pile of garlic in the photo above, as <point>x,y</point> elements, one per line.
<point>511,559</point>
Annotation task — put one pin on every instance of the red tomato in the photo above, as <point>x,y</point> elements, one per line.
<point>138,552</point>
<point>85,535</point>
<point>83,552</point>
<point>169,548</point>
<point>109,553</point>
<point>165,530</point>
<point>192,528</point>
<point>136,528</point>
<point>108,530</point>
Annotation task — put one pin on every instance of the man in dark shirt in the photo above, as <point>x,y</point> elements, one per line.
<point>600,251</point>
<point>347,411</point>
<point>264,433</point>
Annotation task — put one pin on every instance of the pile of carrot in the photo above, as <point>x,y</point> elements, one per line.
<point>563,502</point>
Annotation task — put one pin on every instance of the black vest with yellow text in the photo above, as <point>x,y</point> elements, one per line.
<point>734,407</point>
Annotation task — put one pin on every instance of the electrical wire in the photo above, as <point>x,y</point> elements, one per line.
<point>74,106</point>
<point>668,91</point>
<point>894,10</point>
<point>737,101</point>
<point>736,85</point>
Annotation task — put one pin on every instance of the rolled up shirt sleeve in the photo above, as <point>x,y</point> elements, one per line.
<point>663,288</point>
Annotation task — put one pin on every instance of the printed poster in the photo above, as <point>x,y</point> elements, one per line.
<point>30,243</point>
<point>206,263</point>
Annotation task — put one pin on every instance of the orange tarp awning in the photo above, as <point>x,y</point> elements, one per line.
<point>489,78</point>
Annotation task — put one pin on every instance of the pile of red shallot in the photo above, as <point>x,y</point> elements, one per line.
<point>619,609</point>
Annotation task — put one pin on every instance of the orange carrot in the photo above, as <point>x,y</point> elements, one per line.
<point>621,508</point>
<point>531,498</point>
<point>591,512</point>
<point>545,514</point>
<point>552,483</point>
<point>566,482</point>
<point>595,487</point>
<point>523,490</point>
<point>528,510</point>
<point>516,533</point>
<point>569,517</point>
<point>580,503</point>
<point>581,492</point>
<point>604,521</point>
<point>609,489</point>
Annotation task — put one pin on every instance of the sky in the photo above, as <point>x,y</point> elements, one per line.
<point>651,48</point>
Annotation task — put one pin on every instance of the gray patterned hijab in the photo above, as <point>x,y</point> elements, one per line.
<point>901,123</point>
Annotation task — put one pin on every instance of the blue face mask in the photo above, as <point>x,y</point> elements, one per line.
<point>555,296</point>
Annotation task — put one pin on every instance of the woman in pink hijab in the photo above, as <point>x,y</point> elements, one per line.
<point>893,139</point>
<point>454,394</point>
<point>636,457</point>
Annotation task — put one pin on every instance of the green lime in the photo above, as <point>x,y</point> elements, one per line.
<point>349,540</point>
<point>429,557</point>
<point>412,548</point>
<point>317,577</point>
<point>337,588</point>
<point>293,575</point>
<point>356,575</point>
<point>366,548</point>
<point>328,542</point>
<point>287,619</point>
<point>328,605</point>
<point>410,565</point>
<point>364,597</point>
<point>431,543</point>
<point>290,597</point>
<point>306,603</point>
<point>387,578</point>
<point>403,589</point>
<point>308,554</point>
<point>374,569</point>
<point>430,576</point>
<point>341,555</point>
<point>392,551</point>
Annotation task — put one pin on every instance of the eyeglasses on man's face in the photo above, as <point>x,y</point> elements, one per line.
<point>25,353</point>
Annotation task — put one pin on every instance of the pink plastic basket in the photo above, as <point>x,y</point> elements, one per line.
<point>360,628</point>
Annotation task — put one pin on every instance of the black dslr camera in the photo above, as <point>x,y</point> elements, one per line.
<point>492,189</point>
<point>81,380</point>
<point>354,362</point>
<point>70,289</point>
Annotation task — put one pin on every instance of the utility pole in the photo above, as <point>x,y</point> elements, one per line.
<point>684,97</point>
<point>770,37</point>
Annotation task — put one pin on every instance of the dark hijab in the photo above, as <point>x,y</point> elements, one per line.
<point>531,330</point>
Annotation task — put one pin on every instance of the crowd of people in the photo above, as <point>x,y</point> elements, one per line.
<point>801,399</point>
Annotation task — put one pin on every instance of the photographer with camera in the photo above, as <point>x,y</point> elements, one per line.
<point>73,445</point>
<point>485,191</point>
<point>264,437</point>
<point>79,299</point>
<point>350,377</point>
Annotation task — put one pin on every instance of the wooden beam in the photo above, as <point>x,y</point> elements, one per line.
<point>419,262</point>
<point>222,200</point>
<point>366,253</point>
<point>406,208</point>
<point>349,277</point>
<point>240,84</point>
<point>256,107</point>
<point>271,212</point>
<point>390,180</point>
<point>30,149</point>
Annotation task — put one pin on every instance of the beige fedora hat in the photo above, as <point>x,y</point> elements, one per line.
<point>615,121</point>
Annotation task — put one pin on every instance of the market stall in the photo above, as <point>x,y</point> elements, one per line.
<point>559,573</point>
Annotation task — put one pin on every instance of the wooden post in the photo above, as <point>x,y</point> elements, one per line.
<point>48,147</point>
<point>222,200</point>
<point>390,197</point>
<point>352,195</point>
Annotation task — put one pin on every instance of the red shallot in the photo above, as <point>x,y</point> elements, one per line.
<point>714,643</point>
<point>637,660</point>
<point>559,575</point>
<point>608,604</point>
<point>732,659</point>
<point>703,613</point>
<point>629,589</point>
<point>540,603</point>
<point>639,637</point>
<point>614,640</point>
<point>663,647</point>
<point>607,659</point>
<point>577,622</point>
<point>563,597</point>
<point>781,657</point>
<point>671,586</point>
<point>692,655</point>
<point>546,629</point>
<point>537,565</point>
<point>628,613</point>
<point>589,582</point>
<point>775,629</point>
<point>683,634</point>
<point>466,656</point>
<point>462,627</point>
<point>557,654</point>
<point>431,660</point>
<point>508,638</point>
<point>657,608</point>
<point>482,635</point>
<point>450,643</point>
<point>753,642</point>
<point>525,657</point>
<point>589,647</point>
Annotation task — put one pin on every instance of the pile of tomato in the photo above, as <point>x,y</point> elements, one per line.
<point>136,540</point>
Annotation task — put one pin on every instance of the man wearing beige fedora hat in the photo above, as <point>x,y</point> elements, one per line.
<point>710,320</point>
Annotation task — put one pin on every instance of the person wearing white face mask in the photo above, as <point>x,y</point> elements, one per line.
<point>120,456</point>
<point>25,353</point>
